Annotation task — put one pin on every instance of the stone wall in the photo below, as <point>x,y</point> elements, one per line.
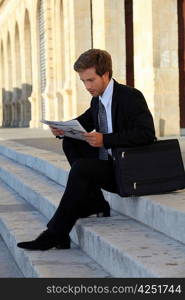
<point>40,40</point>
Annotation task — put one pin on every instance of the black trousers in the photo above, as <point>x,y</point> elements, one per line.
<point>87,176</point>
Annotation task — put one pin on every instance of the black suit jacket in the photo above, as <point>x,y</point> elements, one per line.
<point>132,121</point>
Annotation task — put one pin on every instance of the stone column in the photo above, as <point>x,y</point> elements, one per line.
<point>109,33</point>
<point>69,27</point>
<point>59,58</point>
<point>23,67</point>
<point>35,98</point>
<point>49,93</point>
<point>26,73</point>
<point>6,95</point>
<point>16,77</point>
<point>65,93</point>
<point>165,47</point>
<point>3,108</point>
<point>6,91</point>
<point>143,51</point>
<point>79,19</point>
<point>26,92</point>
<point>156,60</point>
<point>9,92</point>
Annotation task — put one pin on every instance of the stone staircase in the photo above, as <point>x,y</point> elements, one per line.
<point>144,237</point>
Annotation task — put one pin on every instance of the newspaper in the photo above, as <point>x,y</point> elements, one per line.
<point>71,128</point>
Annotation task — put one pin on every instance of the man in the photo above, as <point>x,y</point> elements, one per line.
<point>118,116</point>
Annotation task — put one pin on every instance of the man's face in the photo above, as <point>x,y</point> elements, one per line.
<point>94,83</point>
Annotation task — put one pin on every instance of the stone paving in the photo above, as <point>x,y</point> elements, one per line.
<point>38,138</point>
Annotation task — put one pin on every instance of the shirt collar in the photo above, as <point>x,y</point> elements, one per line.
<point>107,94</point>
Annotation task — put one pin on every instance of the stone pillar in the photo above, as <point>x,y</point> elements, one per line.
<point>26,92</point>
<point>166,66</point>
<point>49,94</point>
<point>35,98</point>
<point>16,107</point>
<point>109,33</point>
<point>69,101</point>
<point>7,96</point>
<point>23,67</point>
<point>59,58</point>
<point>4,83</point>
<point>80,33</point>
<point>156,60</point>
<point>16,77</point>
<point>26,72</point>
<point>9,92</point>
<point>76,39</point>
<point>143,51</point>
<point>6,91</point>
<point>3,108</point>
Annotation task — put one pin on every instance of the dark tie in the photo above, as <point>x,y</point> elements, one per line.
<point>103,128</point>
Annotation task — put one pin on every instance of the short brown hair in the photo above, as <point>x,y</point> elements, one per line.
<point>99,59</point>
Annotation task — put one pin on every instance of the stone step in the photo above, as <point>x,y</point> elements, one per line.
<point>8,267</point>
<point>19,221</point>
<point>51,164</point>
<point>122,246</point>
<point>165,213</point>
<point>127,248</point>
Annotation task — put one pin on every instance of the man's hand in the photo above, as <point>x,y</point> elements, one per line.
<point>56,131</point>
<point>94,139</point>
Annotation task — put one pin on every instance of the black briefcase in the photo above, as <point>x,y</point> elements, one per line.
<point>150,169</point>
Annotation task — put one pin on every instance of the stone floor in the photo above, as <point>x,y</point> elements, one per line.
<point>38,138</point>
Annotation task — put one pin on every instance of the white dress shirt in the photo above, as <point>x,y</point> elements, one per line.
<point>106,100</point>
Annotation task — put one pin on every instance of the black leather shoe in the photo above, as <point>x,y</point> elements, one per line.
<point>46,241</point>
<point>102,210</point>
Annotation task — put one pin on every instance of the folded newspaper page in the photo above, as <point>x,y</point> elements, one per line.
<point>71,128</point>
